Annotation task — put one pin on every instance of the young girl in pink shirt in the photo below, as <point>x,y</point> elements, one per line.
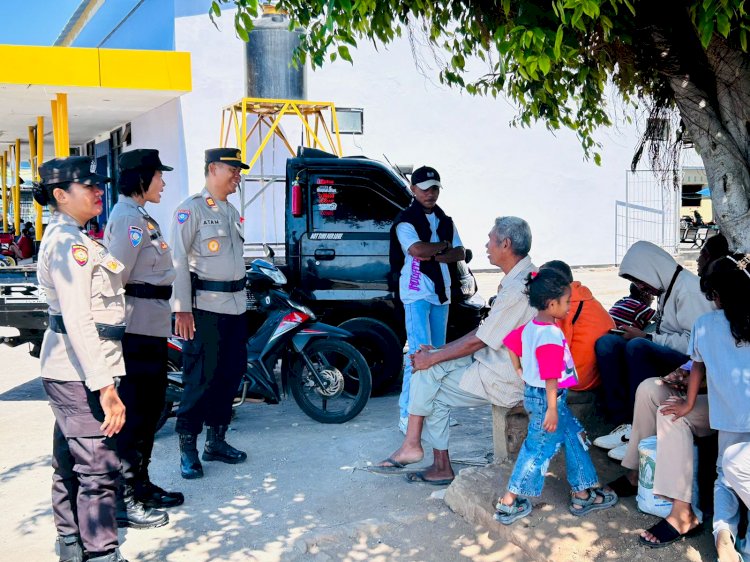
<point>543,360</point>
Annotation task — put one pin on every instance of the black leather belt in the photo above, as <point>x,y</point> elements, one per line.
<point>148,291</point>
<point>113,332</point>
<point>218,286</point>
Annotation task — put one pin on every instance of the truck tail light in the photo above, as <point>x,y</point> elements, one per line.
<point>296,199</point>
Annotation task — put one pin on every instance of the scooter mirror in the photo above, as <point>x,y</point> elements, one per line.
<point>268,251</point>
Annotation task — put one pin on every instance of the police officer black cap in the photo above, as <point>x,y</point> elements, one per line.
<point>231,156</point>
<point>142,158</point>
<point>79,169</point>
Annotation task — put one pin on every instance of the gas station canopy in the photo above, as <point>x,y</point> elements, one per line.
<point>105,87</point>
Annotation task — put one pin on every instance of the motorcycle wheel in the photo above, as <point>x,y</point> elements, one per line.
<point>381,348</point>
<point>347,377</point>
<point>169,409</point>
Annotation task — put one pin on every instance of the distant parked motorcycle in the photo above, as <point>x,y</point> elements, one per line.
<point>328,378</point>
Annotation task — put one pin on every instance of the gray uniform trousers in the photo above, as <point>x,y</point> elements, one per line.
<point>86,467</point>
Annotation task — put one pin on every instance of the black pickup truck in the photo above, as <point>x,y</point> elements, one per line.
<point>338,216</point>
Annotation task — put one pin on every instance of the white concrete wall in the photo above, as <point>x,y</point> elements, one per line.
<point>488,168</point>
<point>161,128</point>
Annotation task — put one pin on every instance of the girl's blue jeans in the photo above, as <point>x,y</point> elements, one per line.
<point>540,446</point>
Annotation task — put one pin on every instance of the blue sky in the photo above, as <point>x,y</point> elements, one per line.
<point>39,22</point>
<point>35,22</point>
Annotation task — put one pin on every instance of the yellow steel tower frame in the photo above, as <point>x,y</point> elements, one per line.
<point>249,115</point>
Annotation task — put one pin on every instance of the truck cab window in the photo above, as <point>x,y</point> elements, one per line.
<point>350,208</point>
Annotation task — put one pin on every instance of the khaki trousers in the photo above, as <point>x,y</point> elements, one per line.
<point>434,392</point>
<point>673,477</point>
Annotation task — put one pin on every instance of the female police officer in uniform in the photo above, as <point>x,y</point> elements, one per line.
<point>81,359</point>
<point>136,240</point>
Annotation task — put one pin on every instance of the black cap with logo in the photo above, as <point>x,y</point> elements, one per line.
<point>78,169</point>
<point>142,158</point>
<point>425,178</point>
<point>230,156</point>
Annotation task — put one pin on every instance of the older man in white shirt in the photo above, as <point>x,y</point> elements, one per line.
<point>474,370</point>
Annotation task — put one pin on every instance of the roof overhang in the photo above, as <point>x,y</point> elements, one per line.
<point>105,88</point>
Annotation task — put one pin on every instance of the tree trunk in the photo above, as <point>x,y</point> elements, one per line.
<point>719,124</point>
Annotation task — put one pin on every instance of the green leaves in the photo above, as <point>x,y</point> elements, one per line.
<point>553,64</point>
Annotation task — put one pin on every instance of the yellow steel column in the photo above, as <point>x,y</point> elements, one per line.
<point>3,162</point>
<point>17,194</point>
<point>62,116</point>
<point>39,162</point>
<point>243,141</point>
<point>55,127</point>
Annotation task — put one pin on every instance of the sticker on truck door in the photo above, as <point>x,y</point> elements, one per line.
<point>326,199</point>
<point>326,235</point>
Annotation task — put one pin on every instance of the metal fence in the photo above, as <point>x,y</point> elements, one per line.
<point>650,212</point>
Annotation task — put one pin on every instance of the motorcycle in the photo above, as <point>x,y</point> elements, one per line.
<point>327,376</point>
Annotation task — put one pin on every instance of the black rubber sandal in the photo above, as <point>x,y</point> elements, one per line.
<point>623,488</point>
<point>666,534</point>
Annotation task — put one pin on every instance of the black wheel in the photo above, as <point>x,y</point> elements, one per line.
<point>171,400</point>
<point>381,348</point>
<point>345,376</point>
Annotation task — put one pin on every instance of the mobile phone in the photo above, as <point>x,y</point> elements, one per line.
<point>617,331</point>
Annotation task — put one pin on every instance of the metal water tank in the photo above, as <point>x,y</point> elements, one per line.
<point>268,59</point>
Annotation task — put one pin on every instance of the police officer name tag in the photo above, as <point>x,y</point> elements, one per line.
<point>111,263</point>
<point>208,222</point>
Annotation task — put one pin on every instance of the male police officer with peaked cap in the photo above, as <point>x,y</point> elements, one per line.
<point>209,303</point>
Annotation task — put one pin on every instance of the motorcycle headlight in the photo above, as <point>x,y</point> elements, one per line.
<point>275,275</point>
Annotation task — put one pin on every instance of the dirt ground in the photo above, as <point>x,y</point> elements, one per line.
<point>305,492</point>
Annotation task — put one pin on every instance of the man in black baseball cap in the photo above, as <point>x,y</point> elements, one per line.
<point>229,156</point>
<point>425,177</point>
<point>424,249</point>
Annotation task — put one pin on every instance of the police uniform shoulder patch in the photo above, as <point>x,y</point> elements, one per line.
<point>80,254</point>
<point>135,235</point>
<point>112,264</point>
<point>183,215</point>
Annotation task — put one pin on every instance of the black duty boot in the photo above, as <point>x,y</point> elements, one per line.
<point>217,449</point>
<point>190,465</point>
<point>135,515</point>
<point>69,549</point>
<point>110,557</point>
<point>150,495</point>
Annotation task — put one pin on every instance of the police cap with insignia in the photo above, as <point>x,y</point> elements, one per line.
<point>78,169</point>
<point>230,156</point>
<point>142,158</point>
